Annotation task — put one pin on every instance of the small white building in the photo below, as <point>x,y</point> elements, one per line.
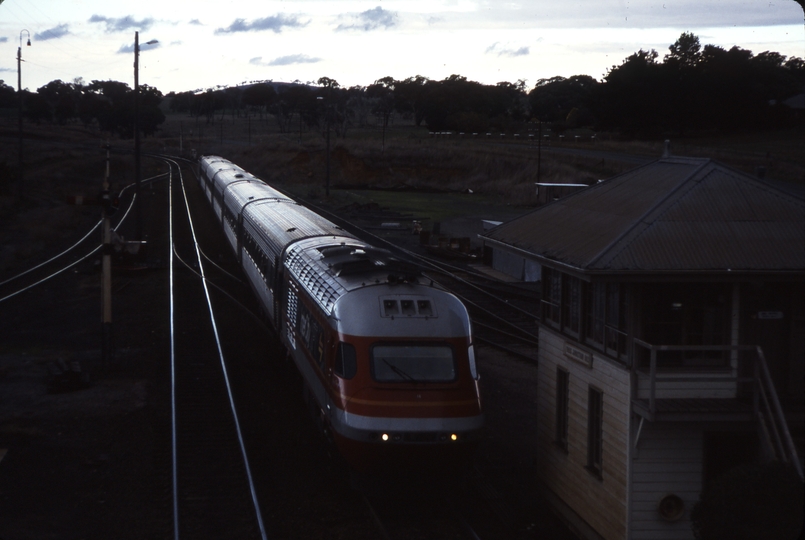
<point>671,295</point>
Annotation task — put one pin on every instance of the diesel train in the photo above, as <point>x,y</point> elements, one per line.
<point>387,359</point>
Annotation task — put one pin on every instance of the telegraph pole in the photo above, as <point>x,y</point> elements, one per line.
<point>138,207</point>
<point>106,274</point>
<point>21,173</point>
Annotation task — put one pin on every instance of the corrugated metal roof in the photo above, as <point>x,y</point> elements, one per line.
<point>276,224</point>
<point>674,214</point>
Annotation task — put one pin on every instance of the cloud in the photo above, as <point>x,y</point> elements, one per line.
<point>53,33</point>
<point>122,23</point>
<point>275,23</point>
<point>196,22</point>
<point>125,49</point>
<point>285,60</point>
<point>3,39</point>
<point>502,50</point>
<point>371,19</point>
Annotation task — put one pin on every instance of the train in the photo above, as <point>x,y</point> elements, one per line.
<point>386,358</point>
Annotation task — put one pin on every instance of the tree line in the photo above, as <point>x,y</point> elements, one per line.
<point>692,89</point>
<point>109,105</point>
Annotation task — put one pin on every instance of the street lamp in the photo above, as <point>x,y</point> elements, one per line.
<point>19,107</point>
<point>139,205</point>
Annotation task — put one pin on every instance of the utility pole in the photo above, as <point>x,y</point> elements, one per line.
<point>138,207</point>
<point>21,173</point>
<point>106,274</point>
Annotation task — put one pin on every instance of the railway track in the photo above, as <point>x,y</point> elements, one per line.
<point>82,249</point>
<point>406,513</point>
<point>213,492</point>
<point>202,466</point>
<point>449,507</point>
<point>504,315</point>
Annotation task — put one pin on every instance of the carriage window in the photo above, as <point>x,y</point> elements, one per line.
<point>413,363</point>
<point>346,362</point>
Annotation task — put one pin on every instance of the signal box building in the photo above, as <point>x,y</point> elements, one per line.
<point>672,340</point>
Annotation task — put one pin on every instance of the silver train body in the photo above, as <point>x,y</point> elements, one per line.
<point>389,362</point>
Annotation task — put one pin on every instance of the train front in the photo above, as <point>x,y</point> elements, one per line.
<point>405,381</point>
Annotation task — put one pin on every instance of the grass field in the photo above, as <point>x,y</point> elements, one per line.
<point>412,157</point>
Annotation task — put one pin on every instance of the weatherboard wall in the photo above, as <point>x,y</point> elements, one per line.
<point>667,461</point>
<point>602,502</point>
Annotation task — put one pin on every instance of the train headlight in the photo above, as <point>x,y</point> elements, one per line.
<point>385,436</point>
<point>453,437</point>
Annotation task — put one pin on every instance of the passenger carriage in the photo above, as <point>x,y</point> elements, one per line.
<point>388,362</point>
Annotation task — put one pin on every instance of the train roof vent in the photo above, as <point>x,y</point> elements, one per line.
<point>346,260</point>
<point>239,175</point>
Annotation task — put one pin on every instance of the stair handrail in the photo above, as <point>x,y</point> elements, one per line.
<point>773,412</point>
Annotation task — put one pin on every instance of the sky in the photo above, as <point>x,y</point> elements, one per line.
<point>204,44</point>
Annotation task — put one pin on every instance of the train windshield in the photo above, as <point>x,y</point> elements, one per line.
<point>413,363</point>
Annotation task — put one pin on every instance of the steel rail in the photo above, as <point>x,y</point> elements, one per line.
<point>528,335</point>
<point>174,447</point>
<point>66,251</point>
<point>74,263</point>
<point>228,386</point>
<point>376,519</point>
<point>40,265</point>
<point>31,286</point>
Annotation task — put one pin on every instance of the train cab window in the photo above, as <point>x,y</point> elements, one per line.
<point>407,307</point>
<point>410,307</point>
<point>390,307</point>
<point>413,363</point>
<point>346,362</point>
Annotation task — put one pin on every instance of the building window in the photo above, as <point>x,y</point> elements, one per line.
<point>552,296</point>
<point>605,317</point>
<point>571,304</point>
<point>562,403</point>
<point>687,314</point>
<point>595,430</point>
<point>596,312</point>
